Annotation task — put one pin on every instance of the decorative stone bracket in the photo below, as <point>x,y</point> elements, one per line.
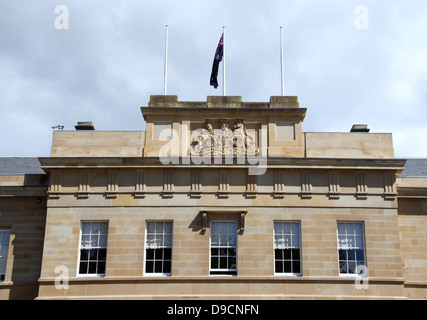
<point>240,212</point>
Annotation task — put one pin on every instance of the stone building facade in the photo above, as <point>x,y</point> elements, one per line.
<point>220,199</point>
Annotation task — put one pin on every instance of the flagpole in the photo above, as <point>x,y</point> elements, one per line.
<point>281,61</point>
<point>166,61</point>
<point>223,61</point>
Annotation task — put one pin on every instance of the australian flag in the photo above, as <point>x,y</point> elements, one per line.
<point>218,58</point>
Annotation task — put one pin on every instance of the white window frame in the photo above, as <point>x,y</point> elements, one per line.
<point>356,240</point>
<point>83,275</point>
<point>155,246</point>
<point>223,271</point>
<point>4,251</point>
<point>292,245</point>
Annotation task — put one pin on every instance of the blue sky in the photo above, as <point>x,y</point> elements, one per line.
<point>109,61</point>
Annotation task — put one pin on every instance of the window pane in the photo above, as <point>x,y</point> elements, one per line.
<point>214,240</point>
<point>287,255</point>
<point>83,267</point>
<point>231,228</point>
<point>351,267</point>
<point>232,240</point>
<point>278,228</point>
<point>92,268</point>
<point>5,236</point>
<point>295,228</point>
<point>167,254</point>
<point>351,255</point>
<point>223,263</point>
<point>349,228</point>
<point>101,267</point>
<point>223,240</point>
<point>158,266</point>
<point>167,267</point>
<point>341,228</point>
<point>214,263</point>
<point>103,241</point>
<point>343,267</point>
<point>358,228</point>
<point>360,255</point>
<point>167,241</point>
<point>295,241</point>
<point>231,252</point>
<point>103,227</point>
<point>359,241</point>
<point>149,254</point>
<point>85,242</point>
<point>93,254</point>
<point>278,242</point>
<point>86,228</point>
<point>168,227</point>
<point>342,242</point>
<point>296,267</point>
<point>94,228</point>
<point>350,241</point>
<point>287,241</point>
<point>149,266</point>
<point>342,254</point>
<point>159,227</point>
<point>279,266</point>
<point>84,254</point>
<point>295,254</point>
<point>232,263</point>
<point>287,266</point>
<point>278,254</point>
<point>102,254</point>
<point>158,254</point>
<point>287,228</point>
<point>151,227</point>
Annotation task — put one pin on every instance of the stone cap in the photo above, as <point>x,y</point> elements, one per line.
<point>171,101</point>
<point>87,125</point>
<point>359,128</point>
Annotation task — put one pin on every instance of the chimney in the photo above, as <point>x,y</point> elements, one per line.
<point>359,128</point>
<point>84,126</point>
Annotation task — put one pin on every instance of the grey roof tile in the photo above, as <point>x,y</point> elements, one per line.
<point>415,168</point>
<point>20,165</point>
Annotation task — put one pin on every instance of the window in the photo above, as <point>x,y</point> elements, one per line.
<point>287,248</point>
<point>158,248</point>
<point>351,246</point>
<point>223,248</point>
<point>93,248</point>
<point>4,249</point>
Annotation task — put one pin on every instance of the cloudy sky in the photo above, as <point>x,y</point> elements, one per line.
<point>347,64</point>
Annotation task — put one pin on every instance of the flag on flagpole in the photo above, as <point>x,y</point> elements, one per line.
<point>217,59</point>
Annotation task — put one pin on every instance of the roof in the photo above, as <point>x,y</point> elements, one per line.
<point>20,165</point>
<point>415,168</point>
